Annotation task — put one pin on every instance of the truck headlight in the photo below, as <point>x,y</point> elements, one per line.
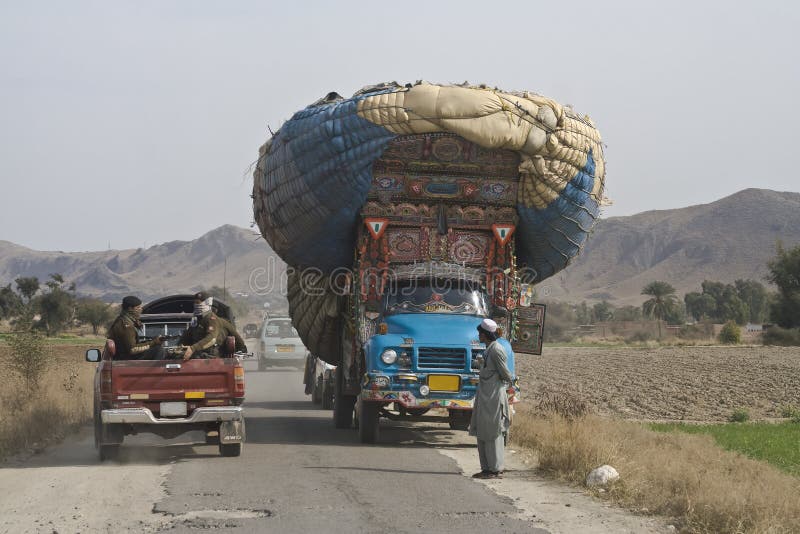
<point>424,390</point>
<point>389,356</point>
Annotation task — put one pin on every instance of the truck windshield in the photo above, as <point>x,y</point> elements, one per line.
<point>435,296</point>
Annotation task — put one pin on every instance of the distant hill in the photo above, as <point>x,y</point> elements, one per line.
<point>731,238</point>
<point>724,240</point>
<point>176,266</point>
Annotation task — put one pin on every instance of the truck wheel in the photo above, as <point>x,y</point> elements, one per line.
<point>343,404</point>
<point>108,452</point>
<point>230,449</point>
<point>368,421</point>
<point>316,392</point>
<point>459,419</point>
<point>327,395</point>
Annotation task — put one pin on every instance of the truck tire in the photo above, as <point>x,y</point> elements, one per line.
<point>230,449</point>
<point>108,452</point>
<point>368,421</point>
<point>343,404</point>
<point>105,451</point>
<point>327,395</point>
<point>316,392</point>
<point>459,419</point>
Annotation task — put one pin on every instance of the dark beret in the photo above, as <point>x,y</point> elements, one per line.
<point>130,302</point>
<point>202,295</point>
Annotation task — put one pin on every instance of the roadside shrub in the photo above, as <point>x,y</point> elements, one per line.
<point>785,337</point>
<point>29,357</point>
<point>730,334</point>
<point>739,416</point>
<point>563,403</point>
<point>790,411</point>
<point>640,336</point>
<point>694,332</point>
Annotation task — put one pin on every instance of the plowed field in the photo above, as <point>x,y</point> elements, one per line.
<point>668,383</point>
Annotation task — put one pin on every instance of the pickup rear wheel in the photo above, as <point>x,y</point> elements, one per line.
<point>230,449</point>
<point>108,452</point>
<point>368,421</point>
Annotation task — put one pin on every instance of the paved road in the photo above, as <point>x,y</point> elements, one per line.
<point>296,474</point>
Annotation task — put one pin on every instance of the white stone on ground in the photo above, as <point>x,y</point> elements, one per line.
<point>601,476</point>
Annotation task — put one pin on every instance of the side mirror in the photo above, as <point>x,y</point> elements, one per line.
<point>93,355</point>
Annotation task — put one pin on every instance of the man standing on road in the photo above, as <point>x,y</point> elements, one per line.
<point>123,332</point>
<point>490,413</point>
<point>201,337</point>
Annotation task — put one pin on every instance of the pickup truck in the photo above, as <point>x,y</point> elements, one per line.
<point>168,397</point>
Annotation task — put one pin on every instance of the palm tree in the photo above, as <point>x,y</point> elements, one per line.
<point>662,302</point>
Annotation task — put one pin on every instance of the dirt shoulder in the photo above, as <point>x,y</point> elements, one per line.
<point>668,383</point>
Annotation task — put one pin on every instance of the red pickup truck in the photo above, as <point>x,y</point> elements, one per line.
<point>170,396</point>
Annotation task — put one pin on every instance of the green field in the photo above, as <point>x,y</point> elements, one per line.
<point>778,444</point>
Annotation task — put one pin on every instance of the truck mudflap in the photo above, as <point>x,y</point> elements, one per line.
<point>231,432</point>
<point>213,414</point>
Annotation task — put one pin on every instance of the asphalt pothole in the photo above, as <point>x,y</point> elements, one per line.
<point>220,515</point>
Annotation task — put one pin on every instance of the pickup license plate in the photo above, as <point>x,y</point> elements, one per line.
<point>444,382</point>
<point>172,409</point>
<point>285,348</point>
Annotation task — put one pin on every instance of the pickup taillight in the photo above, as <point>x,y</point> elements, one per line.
<point>105,379</point>
<point>238,379</point>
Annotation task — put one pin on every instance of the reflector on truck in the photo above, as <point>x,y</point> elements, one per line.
<point>195,395</point>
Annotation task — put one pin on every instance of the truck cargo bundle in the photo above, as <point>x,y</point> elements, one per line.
<point>400,189</point>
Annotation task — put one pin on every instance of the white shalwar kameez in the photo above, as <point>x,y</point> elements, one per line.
<point>490,413</point>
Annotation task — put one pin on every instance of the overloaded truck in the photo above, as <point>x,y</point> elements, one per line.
<point>406,215</point>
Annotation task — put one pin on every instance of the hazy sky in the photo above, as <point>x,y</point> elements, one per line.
<point>132,123</point>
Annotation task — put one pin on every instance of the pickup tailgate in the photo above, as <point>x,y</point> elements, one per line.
<point>170,380</point>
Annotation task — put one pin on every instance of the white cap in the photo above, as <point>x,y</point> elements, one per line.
<point>489,325</point>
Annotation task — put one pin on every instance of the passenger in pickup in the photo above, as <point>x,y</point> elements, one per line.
<point>226,329</point>
<point>202,337</point>
<point>123,332</point>
<point>490,412</point>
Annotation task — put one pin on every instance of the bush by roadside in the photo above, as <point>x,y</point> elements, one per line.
<point>785,337</point>
<point>34,418</point>
<point>685,477</point>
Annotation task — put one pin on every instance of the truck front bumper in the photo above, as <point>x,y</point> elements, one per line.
<point>212,414</point>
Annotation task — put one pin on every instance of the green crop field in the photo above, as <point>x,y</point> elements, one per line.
<point>778,444</point>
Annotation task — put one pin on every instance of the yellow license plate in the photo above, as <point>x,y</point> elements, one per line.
<point>285,348</point>
<point>195,395</point>
<point>444,382</point>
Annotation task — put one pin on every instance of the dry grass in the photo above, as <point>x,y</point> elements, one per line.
<point>63,401</point>
<point>685,477</point>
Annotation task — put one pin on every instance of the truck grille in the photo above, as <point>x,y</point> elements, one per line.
<point>441,358</point>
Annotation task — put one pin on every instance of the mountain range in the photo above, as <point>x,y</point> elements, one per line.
<point>731,238</point>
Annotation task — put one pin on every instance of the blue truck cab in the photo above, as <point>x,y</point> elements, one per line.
<point>426,354</point>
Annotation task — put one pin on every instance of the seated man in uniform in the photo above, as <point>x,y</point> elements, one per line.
<point>123,331</point>
<point>227,329</point>
<point>202,337</point>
